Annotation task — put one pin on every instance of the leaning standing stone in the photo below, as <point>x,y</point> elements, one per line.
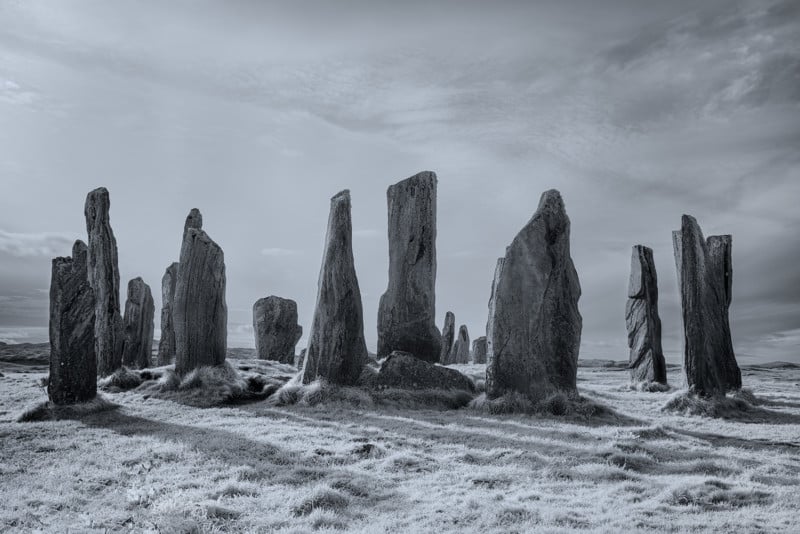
<point>479,350</point>
<point>461,347</point>
<point>704,280</point>
<point>104,279</point>
<point>534,327</point>
<point>276,329</point>
<point>407,311</point>
<point>166,346</point>
<point>647,362</point>
<point>73,365</point>
<point>448,338</point>
<point>139,315</point>
<point>199,310</point>
<point>336,348</point>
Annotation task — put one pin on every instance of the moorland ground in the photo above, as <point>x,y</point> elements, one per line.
<point>155,465</point>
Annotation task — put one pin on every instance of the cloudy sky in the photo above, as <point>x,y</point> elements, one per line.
<point>258,113</point>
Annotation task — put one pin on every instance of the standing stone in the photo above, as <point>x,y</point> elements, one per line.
<point>73,365</point>
<point>166,346</point>
<point>406,312</point>
<point>479,350</point>
<point>534,327</point>
<point>139,314</point>
<point>647,362</point>
<point>448,337</point>
<point>336,349</point>
<point>300,360</point>
<point>705,276</point>
<point>199,310</point>
<point>461,347</point>
<point>276,329</point>
<point>104,279</point>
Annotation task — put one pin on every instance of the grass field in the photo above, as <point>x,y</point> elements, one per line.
<point>154,465</point>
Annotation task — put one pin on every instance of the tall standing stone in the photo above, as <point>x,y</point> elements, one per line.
<point>534,326</point>
<point>166,345</point>
<point>276,329</point>
<point>336,348</point>
<point>705,276</point>
<point>199,310</point>
<point>104,279</point>
<point>407,311</point>
<point>479,350</point>
<point>461,346</point>
<point>448,338</point>
<point>73,365</point>
<point>647,362</point>
<point>139,315</point>
<point>193,220</point>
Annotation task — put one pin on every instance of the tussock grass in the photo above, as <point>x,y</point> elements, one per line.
<point>123,379</point>
<point>649,387</point>
<point>558,404</point>
<point>322,498</point>
<point>206,387</point>
<point>715,495</point>
<point>47,411</point>
<point>321,392</point>
<point>730,406</point>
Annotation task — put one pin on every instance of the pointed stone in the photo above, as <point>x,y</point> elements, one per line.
<point>646,362</point>
<point>407,311</point>
<point>193,220</point>
<point>140,311</point>
<point>104,279</point>
<point>73,365</point>
<point>704,282</point>
<point>199,310</point>
<point>336,348</point>
<point>276,329</point>
<point>166,345</point>
<point>479,350</point>
<point>461,346</point>
<point>448,338</point>
<point>534,327</point>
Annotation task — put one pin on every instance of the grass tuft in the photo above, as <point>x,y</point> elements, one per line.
<point>650,387</point>
<point>123,379</point>
<point>730,406</point>
<point>323,498</point>
<point>715,495</point>
<point>558,404</point>
<point>47,411</point>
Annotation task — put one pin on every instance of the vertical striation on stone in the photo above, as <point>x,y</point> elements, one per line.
<point>705,280</point>
<point>166,345</point>
<point>407,311</point>
<point>276,329</point>
<point>104,279</point>
<point>534,326</point>
<point>479,350</point>
<point>73,363</point>
<point>448,338</point>
<point>336,348</point>
<point>199,310</point>
<point>140,311</point>
<point>646,362</point>
<point>461,346</point>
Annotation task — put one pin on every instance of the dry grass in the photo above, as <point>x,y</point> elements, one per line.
<point>339,460</point>
<point>47,411</point>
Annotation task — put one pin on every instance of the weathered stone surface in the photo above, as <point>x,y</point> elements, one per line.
<point>402,370</point>
<point>407,311</point>
<point>276,329</point>
<point>336,348</point>
<point>300,360</point>
<point>705,276</point>
<point>479,350</point>
<point>199,310</point>
<point>448,338</point>
<point>193,220</point>
<point>104,279</point>
<point>646,362</point>
<point>461,346</point>
<point>140,311</point>
<point>73,363</point>
<point>534,327</point>
<point>166,345</point>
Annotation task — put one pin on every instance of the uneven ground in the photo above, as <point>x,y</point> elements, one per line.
<point>160,466</point>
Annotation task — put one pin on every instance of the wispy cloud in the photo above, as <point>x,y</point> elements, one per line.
<point>24,245</point>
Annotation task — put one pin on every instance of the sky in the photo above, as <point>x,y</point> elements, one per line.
<point>257,113</point>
